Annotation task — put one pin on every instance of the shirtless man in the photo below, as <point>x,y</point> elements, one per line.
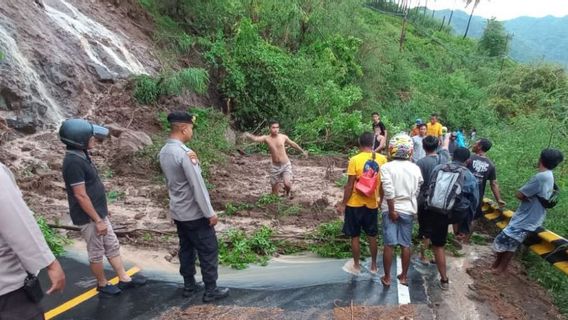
<point>281,167</point>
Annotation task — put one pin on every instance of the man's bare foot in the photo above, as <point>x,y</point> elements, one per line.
<point>374,269</point>
<point>402,280</point>
<point>386,281</point>
<point>350,267</point>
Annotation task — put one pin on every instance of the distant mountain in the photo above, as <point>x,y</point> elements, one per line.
<point>534,39</point>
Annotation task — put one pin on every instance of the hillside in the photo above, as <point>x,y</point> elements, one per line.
<point>534,39</point>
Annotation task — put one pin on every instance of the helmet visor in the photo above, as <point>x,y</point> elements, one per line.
<point>100,132</point>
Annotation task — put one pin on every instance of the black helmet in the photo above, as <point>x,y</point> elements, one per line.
<point>76,133</point>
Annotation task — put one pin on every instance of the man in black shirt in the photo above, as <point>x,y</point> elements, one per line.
<point>380,132</point>
<point>483,169</point>
<point>88,204</point>
<point>435,156</point>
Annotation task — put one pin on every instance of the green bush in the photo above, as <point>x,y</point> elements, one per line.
<point>55,241</point>
<point>238,250</point>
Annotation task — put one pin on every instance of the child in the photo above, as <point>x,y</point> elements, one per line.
<point>530,214</point>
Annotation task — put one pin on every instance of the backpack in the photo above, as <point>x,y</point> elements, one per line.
<point>444,194</point>
<point>553,200</point>
<point>367,183</point>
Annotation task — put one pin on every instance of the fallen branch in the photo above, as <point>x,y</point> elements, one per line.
<point>119,230</point>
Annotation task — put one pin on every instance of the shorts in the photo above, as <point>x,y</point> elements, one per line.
<point>508,240</point>
<point>357,218</point>
<point>279,172</point>
<point>16,305</point>
<point>100,246</point>
<point>399,232</point>
<point>438,227</point>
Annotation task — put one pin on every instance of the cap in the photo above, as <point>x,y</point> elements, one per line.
<point>180,116</point>
<point>418,121</point>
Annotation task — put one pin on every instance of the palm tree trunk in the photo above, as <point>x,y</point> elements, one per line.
<point>450,19</point>
<point>469,21</point>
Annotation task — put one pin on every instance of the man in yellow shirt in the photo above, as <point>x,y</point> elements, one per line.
<point>434,128</point>
<point>361,211</point>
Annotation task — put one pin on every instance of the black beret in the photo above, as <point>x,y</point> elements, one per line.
<point>180,116</point>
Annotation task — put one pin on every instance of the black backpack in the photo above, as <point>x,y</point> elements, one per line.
<point>553,200</point>
<point>445,193</point>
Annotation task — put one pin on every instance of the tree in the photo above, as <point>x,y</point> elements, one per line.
<point>494,39</point>
<point>467,3</point>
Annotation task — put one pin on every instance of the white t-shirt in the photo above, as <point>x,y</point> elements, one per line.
<point>401,181</point>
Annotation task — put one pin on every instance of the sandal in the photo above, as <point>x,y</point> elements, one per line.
<point>385,282</point>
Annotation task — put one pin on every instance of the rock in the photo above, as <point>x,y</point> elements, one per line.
<point>131,141</point>
<point>115,129</point>
<point>24,124</point>
<point>102,74</point>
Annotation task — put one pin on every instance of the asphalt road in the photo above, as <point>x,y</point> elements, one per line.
<point>290,283</point>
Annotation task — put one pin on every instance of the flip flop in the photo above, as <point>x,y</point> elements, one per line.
<point>384,282</point>
<point>404,283</point>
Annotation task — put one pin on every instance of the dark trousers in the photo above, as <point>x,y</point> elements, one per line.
<point>198,236</point>
<point>17,306</point>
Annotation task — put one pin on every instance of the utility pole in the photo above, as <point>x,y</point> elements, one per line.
<point>442,26</point>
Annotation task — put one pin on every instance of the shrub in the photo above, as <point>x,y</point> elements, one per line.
<point>55,241</point>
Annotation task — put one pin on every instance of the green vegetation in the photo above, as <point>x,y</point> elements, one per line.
<point>114,195</point>
<point>55,241</point>
<point>232,208</point>
<point>329,241</point>
<point>237,250</point>
<point>147,90</point>
<point>267,201</point>
<point>322,67</point>
<point>493,42</point>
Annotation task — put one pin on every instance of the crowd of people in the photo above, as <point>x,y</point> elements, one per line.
<point>439,184</point>
<point>423,176</point>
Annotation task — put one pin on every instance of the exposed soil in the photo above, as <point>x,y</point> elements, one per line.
<point>513,296</point>
<point>245,179</point>
<point>404,312</point>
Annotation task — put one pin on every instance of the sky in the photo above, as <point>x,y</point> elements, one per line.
<point>504,9</point>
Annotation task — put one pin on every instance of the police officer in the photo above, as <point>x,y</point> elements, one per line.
<point>190,208</point>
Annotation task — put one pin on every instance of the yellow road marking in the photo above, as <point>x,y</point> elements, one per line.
<point>82,298</point>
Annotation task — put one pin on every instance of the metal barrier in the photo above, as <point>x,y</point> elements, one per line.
<point>547,244</point>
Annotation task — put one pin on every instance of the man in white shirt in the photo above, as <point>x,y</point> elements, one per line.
<point>401,180</point>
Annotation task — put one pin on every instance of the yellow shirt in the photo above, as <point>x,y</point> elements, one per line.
<point>355,168</point>
<point>434,129</point>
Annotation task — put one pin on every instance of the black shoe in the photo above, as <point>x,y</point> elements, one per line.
<point>109,290</point>
<point>215,294</point>
<point>137,281</point>
<point>190,289</point>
